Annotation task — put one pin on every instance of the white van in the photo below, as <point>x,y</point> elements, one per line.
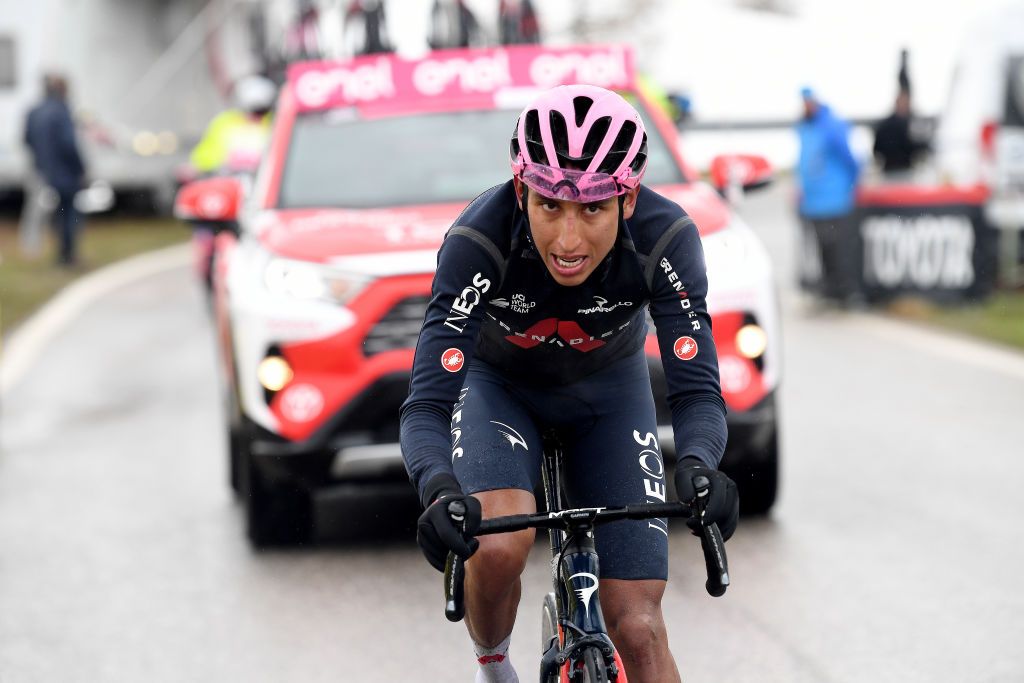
<point>980,137</point>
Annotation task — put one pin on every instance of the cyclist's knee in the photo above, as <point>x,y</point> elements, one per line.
<point>638,631</point>
<point>501,558</point>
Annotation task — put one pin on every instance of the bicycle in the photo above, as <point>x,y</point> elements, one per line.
<point>574,639</point>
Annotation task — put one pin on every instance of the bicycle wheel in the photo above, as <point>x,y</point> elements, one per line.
<point>549,629</point>
<point>593,667</point>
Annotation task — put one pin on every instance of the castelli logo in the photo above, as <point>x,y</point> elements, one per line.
<point>452,360</point>
<point>685,348</point>
<point>302,403</point>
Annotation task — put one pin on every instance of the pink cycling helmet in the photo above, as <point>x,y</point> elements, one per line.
<point>579,143</point>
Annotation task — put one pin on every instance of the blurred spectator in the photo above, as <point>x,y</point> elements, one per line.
<point>452,24</point>
<point>827,176</point>
<point>233,143</point>
<point>896,148</point>
<point>302,38</point>
<point>517,23</point>
<point>366,28</point>
<point>653,91</point>
<point>683,105</point>
<point>50,136</point>
<point>896,144</point>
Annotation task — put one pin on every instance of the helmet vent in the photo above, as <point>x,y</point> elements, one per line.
<point>534,141</point>
<point>596,136</point>
<point>581,105</point>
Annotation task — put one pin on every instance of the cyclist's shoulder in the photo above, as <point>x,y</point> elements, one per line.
<point>489,219</point>
<point>492,210</point>
<point>655,219</point>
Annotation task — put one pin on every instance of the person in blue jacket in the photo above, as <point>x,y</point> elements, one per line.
<point>827,176</point>
<point>50,135</point>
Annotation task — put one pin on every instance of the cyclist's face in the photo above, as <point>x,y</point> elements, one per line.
<point>574,238</point>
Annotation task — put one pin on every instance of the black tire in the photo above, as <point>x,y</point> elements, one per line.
<point>593,666</point>
<point>548,628</point>
<point>238,449</point>
<point>277,513</point>
<point>758,479</point>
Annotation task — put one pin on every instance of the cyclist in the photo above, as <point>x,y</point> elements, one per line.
<point>536,321</point>
<point>232,144</point>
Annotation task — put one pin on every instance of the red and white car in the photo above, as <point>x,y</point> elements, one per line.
<point>323,278</point>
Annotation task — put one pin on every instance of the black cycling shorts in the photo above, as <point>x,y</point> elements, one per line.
<point>608,427</point>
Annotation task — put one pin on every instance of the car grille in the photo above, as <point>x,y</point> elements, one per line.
<point>399,329</point>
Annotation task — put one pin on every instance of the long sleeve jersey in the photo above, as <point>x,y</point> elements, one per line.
<point>493,299</point>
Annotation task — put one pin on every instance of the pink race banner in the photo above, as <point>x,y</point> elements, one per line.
<point>456,74</point>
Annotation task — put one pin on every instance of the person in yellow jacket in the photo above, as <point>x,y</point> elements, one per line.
<point>235,139</point>
<point>233,143</point>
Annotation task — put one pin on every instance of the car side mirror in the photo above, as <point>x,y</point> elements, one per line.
<point>212,200</point>
<point>734,174</point>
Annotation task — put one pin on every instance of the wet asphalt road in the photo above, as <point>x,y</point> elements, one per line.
<point>894,554</point>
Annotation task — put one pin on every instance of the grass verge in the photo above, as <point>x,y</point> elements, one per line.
<point>27,283</point>
<point>1000,318</point>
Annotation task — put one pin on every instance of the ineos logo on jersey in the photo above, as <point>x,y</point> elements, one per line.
<point>602,306</point>
<point>452,360</point>
<point>680,288</point>
<point>457,450</point>
<point>465,302</point>
<point>685,348</point>
<point>653,470</point>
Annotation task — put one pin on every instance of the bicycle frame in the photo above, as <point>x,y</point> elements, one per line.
<point>575,569</point>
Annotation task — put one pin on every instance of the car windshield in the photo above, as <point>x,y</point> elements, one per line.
<point>336,159</point>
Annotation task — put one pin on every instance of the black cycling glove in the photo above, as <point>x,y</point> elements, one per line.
<point>723,500</point>
<point>437,533</point>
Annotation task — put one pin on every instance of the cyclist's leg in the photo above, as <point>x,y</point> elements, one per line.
<point>496,456</point>
<point>616,460</point>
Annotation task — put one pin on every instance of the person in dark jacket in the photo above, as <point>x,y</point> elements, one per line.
<point>517,23</point>
<point>452,24</point>
<point>827,175</point>
<point>50,135</point>
<point>896,148</point>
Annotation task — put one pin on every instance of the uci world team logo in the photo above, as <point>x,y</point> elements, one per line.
<point>685,348</point>
<point>452,360</point>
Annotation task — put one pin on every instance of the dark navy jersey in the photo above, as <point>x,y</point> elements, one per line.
<point>493,299</point>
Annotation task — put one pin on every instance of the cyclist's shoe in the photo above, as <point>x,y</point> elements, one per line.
<point>723,505</point>
<point>437,533</point>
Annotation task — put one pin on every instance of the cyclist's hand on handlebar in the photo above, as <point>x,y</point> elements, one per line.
<point>723,504</point>
<point>437,533</point>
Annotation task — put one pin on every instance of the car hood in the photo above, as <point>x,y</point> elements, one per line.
<point>327,235</point>
<point>707,208</point>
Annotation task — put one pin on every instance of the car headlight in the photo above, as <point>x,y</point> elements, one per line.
<point>751,341</point>
<point>311,281</point>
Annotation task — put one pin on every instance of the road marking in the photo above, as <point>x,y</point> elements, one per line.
<point>24,345</point>
<point>947,345</point>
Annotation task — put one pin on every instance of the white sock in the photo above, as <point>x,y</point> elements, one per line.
<point>495,666</point>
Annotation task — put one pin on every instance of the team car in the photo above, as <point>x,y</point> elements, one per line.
<point>324,264</point>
